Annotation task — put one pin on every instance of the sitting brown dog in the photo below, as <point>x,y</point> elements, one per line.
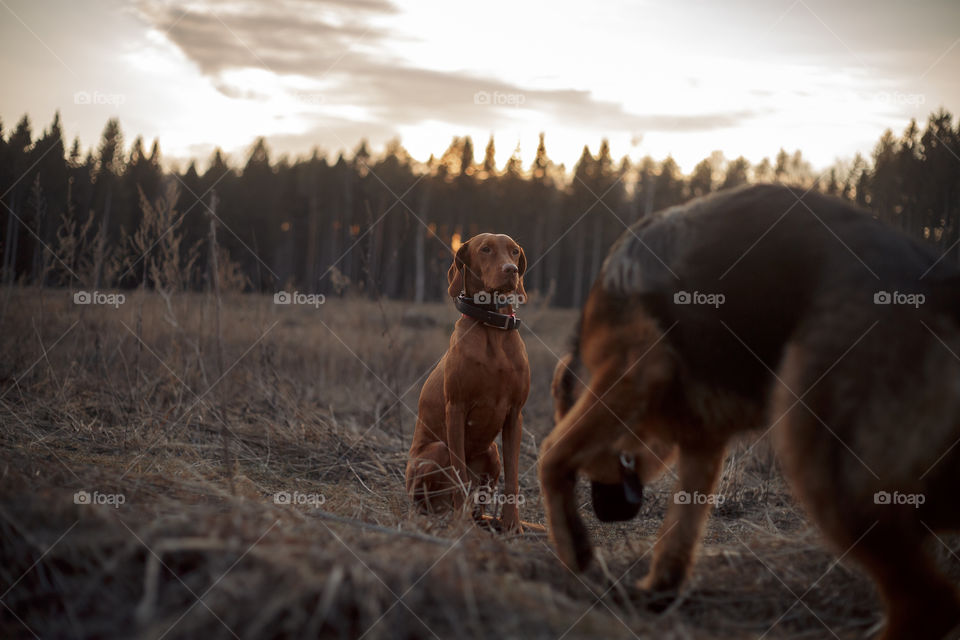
<point>795,313</point>
<point>478,388</point>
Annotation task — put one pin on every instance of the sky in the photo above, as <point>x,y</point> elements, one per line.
<point>654,77</point>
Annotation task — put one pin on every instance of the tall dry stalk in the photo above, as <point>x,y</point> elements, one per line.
<point>367,259</point>
<point>214,274</point>
<point>156,247</point>
<point>76,249</point>
<point>40,268</point>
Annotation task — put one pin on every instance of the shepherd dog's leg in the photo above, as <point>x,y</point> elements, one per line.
<point>850,448</point>
<point>687,511</point>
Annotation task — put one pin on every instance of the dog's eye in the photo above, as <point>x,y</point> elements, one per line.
<point>516,251</point>
<point>485,250</point>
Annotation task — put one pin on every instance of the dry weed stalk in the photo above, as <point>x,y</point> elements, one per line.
<point>214,275</point>
<point>167,266</point>
<point>77,253</point>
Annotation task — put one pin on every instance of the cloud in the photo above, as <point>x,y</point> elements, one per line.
<point>287,36</point>
<point>412,95</point>
<point>336,46</point>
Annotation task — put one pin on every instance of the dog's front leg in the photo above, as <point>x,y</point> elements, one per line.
<point>456,418</point>
<point>586,430</point>
<point>687,511</point>
<point>512,437</point>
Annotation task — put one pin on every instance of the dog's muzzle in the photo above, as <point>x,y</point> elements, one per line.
<point>619,501</point>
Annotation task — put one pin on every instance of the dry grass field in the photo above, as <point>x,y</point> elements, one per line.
<point>143,452</point>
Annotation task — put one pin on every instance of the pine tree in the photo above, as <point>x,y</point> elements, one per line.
<point>490,160</point>
<point>738,173</point>
<point>670,184</point>
<point>49,192</point>
<point>701,180</point>
<point>110,165</point>
<point>466,157</point>
<point>19,145</point>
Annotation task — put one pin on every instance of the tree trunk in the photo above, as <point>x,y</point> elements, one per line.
<point>310,277</point>
<point>551,259</point>
<point>420,249</point>
<point>579,263</point>
<point>648,189</point>
<point>102,240</point>
<point>597,250</point>
<point>10,248</point>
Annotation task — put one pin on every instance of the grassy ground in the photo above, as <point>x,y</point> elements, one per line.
<point>185,435</point>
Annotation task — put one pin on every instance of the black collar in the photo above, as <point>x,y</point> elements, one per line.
<point>504,321</point>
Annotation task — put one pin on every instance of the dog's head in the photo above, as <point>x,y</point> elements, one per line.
<point>608,490</point>
<point>490,262</point>
<point>615,490</point>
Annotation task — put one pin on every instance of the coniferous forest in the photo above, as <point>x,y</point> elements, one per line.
<point>382,224</point>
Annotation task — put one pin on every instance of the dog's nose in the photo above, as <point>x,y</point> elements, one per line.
<point>511,268</point>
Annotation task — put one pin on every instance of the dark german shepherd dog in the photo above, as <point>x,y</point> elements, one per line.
<point>767,308</point>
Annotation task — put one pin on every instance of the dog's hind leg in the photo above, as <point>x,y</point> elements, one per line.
<point>849,449</point>
<point>920,601</point>
<point>430,480</point>
<point>456,422</point>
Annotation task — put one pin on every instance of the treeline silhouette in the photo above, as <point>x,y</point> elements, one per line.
<point>384,225</point>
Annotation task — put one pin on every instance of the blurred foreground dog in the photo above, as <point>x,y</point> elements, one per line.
<point>477,389</point>
<point>755,308</point>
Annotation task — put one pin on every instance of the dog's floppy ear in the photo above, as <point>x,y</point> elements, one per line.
<point>455,273</point>
<point>522,266</point>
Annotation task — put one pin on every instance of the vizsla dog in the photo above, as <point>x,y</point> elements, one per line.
<point>478,388</point>
<point>762,307</point>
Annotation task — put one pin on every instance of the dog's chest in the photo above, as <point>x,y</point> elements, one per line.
<point>491,372</point>
<point>497,371</point>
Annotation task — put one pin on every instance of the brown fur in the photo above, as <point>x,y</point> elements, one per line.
<point>475,393</point>
<point>862,398</point>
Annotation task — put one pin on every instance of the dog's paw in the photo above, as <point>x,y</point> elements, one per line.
<point>582,548</point>
<point>576,558</point>
<point>512,526</point>
<point>656,601</point>
<point>659,590</point>
<point>573,545</point>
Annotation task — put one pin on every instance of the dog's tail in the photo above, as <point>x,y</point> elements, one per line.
<point>567,384</point>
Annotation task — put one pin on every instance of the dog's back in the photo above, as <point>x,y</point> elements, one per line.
<point>752,263</point>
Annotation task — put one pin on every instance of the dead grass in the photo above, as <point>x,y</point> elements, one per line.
<point>322,402</point>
